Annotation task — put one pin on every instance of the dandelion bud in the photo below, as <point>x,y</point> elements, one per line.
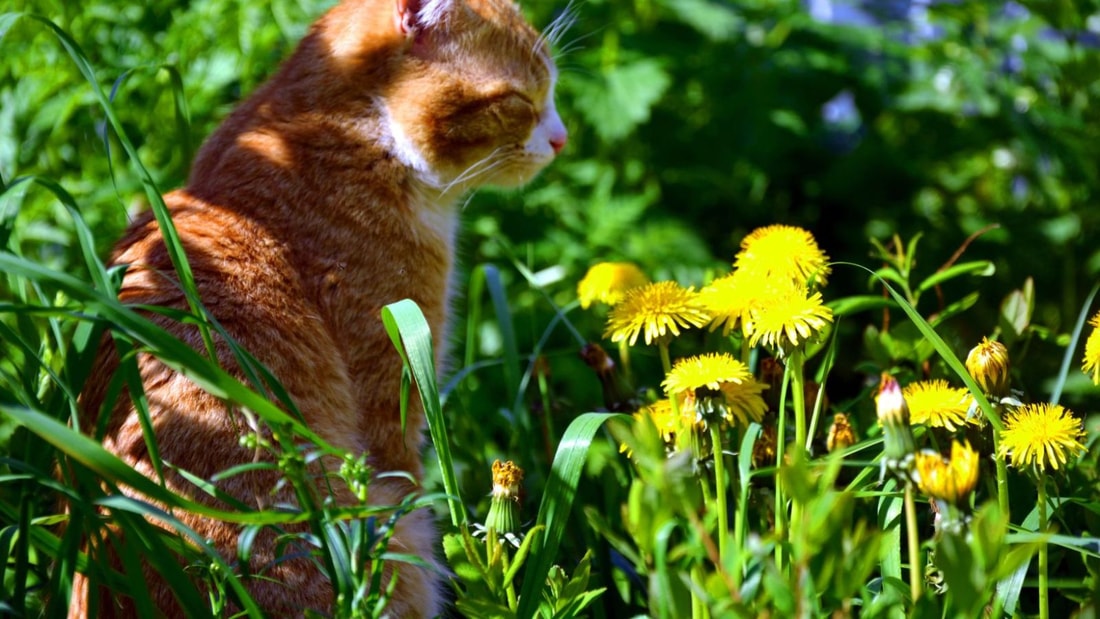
<point>618,395</point>
<point>950,481</point>
<point>607,282</point>
<point>987,363</point>
<point>763,451</point>
<point>841,434</point>
<point>504,505</point>
<point>893,414</point>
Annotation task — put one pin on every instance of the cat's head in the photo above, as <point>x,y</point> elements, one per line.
<point>468,92</point>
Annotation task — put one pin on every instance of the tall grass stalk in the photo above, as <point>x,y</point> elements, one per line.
<point>1044,552</point>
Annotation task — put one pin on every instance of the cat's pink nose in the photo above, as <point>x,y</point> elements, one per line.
<point>557,142</point>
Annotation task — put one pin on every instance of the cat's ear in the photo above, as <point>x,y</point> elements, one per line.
<point>416,16</point>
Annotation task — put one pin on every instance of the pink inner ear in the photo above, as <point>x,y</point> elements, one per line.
<point>417,15</point>
<point>404,15</point>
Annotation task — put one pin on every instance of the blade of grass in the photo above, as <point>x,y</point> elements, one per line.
<point>889,510</point>
<point>1071,349</point>
<point>557,503</point>
<point>166,562</point>
<point>499,298</point>
<point>168,349</point>
<point>411,336</point>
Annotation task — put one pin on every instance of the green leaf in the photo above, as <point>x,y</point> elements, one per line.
<point>1016,310</point>
<point>521,554</point>
<point>853,305</point>
<point>1070,354</point>
<point>716,21</point>
<point>507,334</point>
<point>615,105</point>
<point>982,268</point>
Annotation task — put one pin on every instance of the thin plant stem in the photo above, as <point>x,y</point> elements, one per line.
<point>818,399</point>
<point>513,599</point>
<point>780,494</point>
<point>1002,474</point>
<point>914,543</point>
<point>720,493</point>
<point>1044,558</point>
<point>666,365</point>
<point>739,530</point>
<point>698,608</point>
<point>798,396</point>
<point>624,360</point>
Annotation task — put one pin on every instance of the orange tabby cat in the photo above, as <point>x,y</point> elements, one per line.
<point>328,194</point>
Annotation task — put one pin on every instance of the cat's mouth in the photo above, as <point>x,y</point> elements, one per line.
<point>523,166</point>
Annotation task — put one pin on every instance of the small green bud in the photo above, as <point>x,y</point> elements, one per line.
<point>504,506</point>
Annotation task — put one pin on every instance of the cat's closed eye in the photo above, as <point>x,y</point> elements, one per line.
<point>517,114</point>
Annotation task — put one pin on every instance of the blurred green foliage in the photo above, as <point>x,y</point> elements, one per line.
<point>692,122</point>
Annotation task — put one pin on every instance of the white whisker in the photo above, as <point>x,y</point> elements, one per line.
<point>556,28</point>
<point>478,168</point>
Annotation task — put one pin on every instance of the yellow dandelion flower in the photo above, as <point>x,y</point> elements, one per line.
<point>506,479</point>
<point>785,318</point>
<point>725,379</point>
<point>729,298</point>
<point>707,370</point>
<point>783,252</point>
<point>667,423</point>
<point>937,404</point>
<point>987,363</point>
<point>841,435</point>
<point>1092,351</point>
<point>1038,434</point>
<point>949,480</point>
<point>655,309</point>
<point>744,402</point>
<point>607,282</point>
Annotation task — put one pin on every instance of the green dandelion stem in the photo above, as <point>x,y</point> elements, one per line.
<point>1044,558</point>
<point>624,360</point>
<point>739,532</point>
<point>1002,474</point>
<point>798,396</point>
<point>780,494</point>
<point>494,544</point>
<point>720,494</point>
<point>914,543</point>
<point>666,365</point>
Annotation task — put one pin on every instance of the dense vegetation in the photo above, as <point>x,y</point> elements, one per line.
<point>954,148</point>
